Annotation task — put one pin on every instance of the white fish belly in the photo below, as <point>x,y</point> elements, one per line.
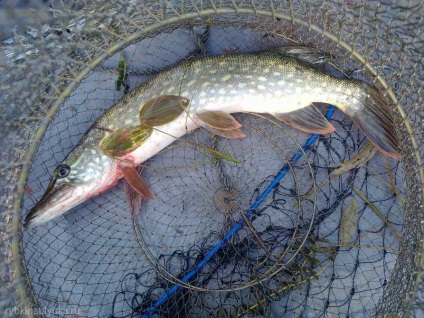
<point>163,136</point>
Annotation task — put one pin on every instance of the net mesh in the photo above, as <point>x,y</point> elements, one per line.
<point>318,244</point>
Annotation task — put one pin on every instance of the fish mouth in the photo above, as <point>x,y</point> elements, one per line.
<point>61,196</point>
<point>57,199</point>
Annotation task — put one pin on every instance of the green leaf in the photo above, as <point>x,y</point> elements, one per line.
<point>162,110</point>
<point>125,140</point>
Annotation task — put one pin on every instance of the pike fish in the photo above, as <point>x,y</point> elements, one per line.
<point>283,82</point>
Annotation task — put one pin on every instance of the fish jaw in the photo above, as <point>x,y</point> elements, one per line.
<point>63,196</point>
<point>52,205</point>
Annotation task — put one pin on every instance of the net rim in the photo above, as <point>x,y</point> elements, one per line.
<point>16,247</point>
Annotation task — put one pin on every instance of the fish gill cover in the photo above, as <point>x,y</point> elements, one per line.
<point>318,244</point>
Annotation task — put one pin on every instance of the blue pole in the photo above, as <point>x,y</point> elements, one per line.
<point>238,225</point>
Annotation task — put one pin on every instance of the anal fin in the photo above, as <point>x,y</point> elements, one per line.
<point>131,175</point>
<point>308,119</point>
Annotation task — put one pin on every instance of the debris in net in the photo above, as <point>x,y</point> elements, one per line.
<point>393,188</point>
<point>122,75</point>
<point>348,223</point>
<point>200,37</point>
<point>377,211</point>
<point>362,157</point>
<point>306,270</point>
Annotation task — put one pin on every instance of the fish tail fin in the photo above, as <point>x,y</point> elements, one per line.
<point>375,121</point>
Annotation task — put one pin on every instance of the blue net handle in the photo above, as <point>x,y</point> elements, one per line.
<point>239,224</point>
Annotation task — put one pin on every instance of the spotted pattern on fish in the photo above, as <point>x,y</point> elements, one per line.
<point>264,82</point>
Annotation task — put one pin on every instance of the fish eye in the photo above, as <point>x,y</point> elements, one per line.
<point>62,171</point>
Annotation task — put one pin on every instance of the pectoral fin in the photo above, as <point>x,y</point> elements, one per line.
<point>303,53</point>
<point>133,198</point>
<point>162,110</point>
<point>124,140</point>
<point>308,119</point>
<point>131,175</point>
<point>218,120</point>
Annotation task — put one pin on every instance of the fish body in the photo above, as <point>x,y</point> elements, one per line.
<point>271,82</point>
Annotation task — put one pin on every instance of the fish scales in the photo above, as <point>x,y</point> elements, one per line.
<point>265,82</point>
<point>234,78</point>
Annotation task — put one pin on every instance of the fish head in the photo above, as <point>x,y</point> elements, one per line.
<point>83,174</point>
